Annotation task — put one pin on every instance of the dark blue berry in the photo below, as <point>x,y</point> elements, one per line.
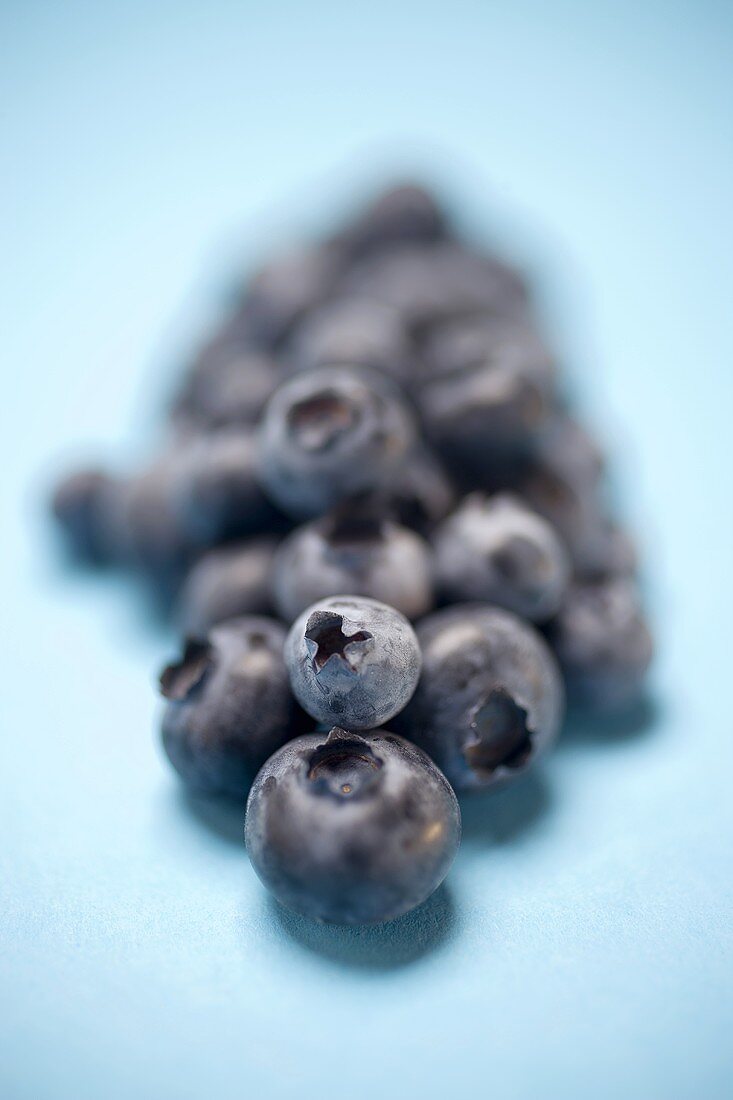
<point>229,706</point>
<point>330,434</point>
<point>226,582</point>
<point>353,551</point>
<point>497,550</point>
<point>352,660</point>
<point>352,829</point>
<point>490,697</point>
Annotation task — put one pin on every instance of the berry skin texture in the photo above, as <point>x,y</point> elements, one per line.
<point>229,706</point>
<point>497,550</point>
<point>228,581</point>
<point>490,699</point>
<point>603,643</point>
<point>352,660</point>
<point>330,434</point>
<point>356,553</point>
<point>351,829</point>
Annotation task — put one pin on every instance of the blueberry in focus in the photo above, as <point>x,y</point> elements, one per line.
<point>226,582</point>
<point>352,660</point>
<point>351,829</point>
<point>603,643</point>
<point>329,434</point>
<point>497,550</point>
<point>357,552</point>
<point>229,706</point>
<point>490,698</point>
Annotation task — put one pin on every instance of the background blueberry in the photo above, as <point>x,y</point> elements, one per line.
<point>352,660</point>
<point>404,213</point>
<point>351,829</point>
<point>490,696</point>
<point>226,582</point>
<point>228,384</point>
<point>329,434</point>
<point>358,552</point>
<point>603,643</point>
<point>77,505</point>
<point>429,283</point>
<point>281,292</point>
<point>217,493</point>
<point>497,550</point>
<point>229,706</point>
<point>356,332</point>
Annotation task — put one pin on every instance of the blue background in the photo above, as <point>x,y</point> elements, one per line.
<point>584,944</point>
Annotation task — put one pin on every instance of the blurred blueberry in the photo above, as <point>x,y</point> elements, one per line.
<point>352,659</point>
<point>351,829</point>
<point>77,505</point>
<point>401,214</point>
<point>497,550</point>
<point>430,283</point>
<point>490,697</point>
<point>216,493</point>
<point>603,643</point>
<point>353,332</point>
<point>353,551</point>
<point>330,434</point>
<point>282,291</point>
<point>226,582</point>
<point>229,706</point>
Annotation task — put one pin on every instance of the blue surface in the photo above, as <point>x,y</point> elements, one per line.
<point>584,946</point>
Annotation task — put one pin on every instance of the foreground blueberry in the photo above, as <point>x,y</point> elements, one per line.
<point>229,706</point>
<point>351,829</point>
<point>355,552</point>
<point>352,660</point>
<point>329,434</point>
<point>603,643</point>
<point>490,697</point>
<point>226,582</point>
<point>497,550</point>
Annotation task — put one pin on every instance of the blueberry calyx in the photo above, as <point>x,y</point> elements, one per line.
<point>502,737</point>
<point>318,421</point>
<point>179,680</point>
<point>344,766</point>
<point>326,637</point>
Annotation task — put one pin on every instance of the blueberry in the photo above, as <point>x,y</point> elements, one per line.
<point>351,551</point>
<point>216,494</point>
<point>490,697</point>
<point>405,213</point>
<point>228,385</point>
<point>330,434</point>
<point>497,550</point>
<point>420,493</point>
<point>229,706</point>
<point>78,506</point>
<point>354,660</point>
<point>356,332</point>
<point>281,292</point>
<point>226,582</point>
<point>351,829</point>
<point>431,283</point>
<point>603,643</point>
<point>486,391</point>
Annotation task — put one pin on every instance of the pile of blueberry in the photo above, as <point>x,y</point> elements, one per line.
<point>375,437</point>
